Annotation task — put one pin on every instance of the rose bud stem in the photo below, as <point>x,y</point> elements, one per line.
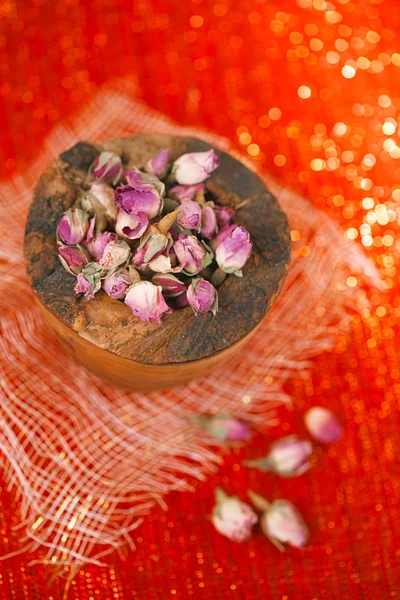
<point>200,198</point>
<point>166,222</point>
<point>243,204</point>
<point>259,502</point>
<point>218,277</point>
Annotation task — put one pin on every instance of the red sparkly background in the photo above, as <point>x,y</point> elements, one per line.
<point>310,90</point>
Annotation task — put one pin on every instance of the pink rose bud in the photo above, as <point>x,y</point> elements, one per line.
<point>115,254</point>
<point>152,245</point>
<point>158,164</point>
<point>190,215</point>
<point>73,259</point>
<point>171,286</point>
<point>143,194</point>
<point>224,215</point>
<point>116,284</point>
<point>107,167</point>
<point>98,243</point>
<point>194,167</point>
<point>233,252</point>
<point>146,301</point>
<point>209,225</point>
<point>162,264</point>
<point>73,226</point>
<point>288,457</point>
<point>131,226</point>
<point>283,524</point>
<point>89,280</point>
<point>192,254</point>
<point>186,192</point>
<point>232,518</point>
<point>100,199</point>
<point>202,296</point>
<point>323,425</point>
<point>222,235</point>
<point>223,427</point>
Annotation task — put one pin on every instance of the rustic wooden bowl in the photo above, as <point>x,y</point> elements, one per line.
<point>102,334</point>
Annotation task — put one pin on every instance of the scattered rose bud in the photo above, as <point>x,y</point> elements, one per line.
<point>288,457</point>
<point>223,427</point>
<point>281,522</point>
<point>143,193</point>
<point>89,280</point>
<point>73,226</point>
<point>233,252</point>
<point>190,215</point>
<point>98,243</point>
<point>116,284</point>
<point>202,296</point>
<point>158,164</point>
<point>171,286</point>
<point>73,259</point>
<point>146,301</point>
<point>115,254</point>
<point>131,226</point>
<point>100,200</point>
<point>323,425</point>
<point>186,192</point>
<point>191,253</point>
<point>224,215</point>
<point>107,167</point>
<point>232,518</point>
<point>194,167</point>
<point>209,225</point>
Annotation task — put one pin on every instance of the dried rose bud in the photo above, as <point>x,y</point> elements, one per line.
<point>224,215</point>
<point>146,301</point>
<point>194,167</point>
<point>97,244</point>
<point>171,286</point>
<point>89,280</point>
<point>143,193</point>
<point>223,234</point>
<point>100,199</point>
<point>190,215</point>
<point>223,427</point>
<point>202,296</point>
<point>233,252</point>
<point>209,225</point>
<point>107,167</point>
<point>152,245</point>
<point>288,457</point>
<point>192,254</point>
<point>73,226</point>
<point>186,192</point>
<point>116,284</point>
<point>162,264</point>
<point>131,226</point>
<point>156,241</point>
<point>281,522</point>
<point>115,254</point>
<point>323,425</point>
<point>73,259</point>
<point>232,518</point>
<point>158,164</point>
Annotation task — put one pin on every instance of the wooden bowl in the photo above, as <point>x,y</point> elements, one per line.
<point>102,334</point>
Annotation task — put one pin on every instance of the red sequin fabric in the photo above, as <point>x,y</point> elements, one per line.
<point>307,92</point>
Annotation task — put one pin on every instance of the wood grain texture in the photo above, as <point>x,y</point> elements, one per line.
<point>109,324</point>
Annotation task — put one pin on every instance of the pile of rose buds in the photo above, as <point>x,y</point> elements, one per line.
<point>280,520</point>
<point>152,238</point>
